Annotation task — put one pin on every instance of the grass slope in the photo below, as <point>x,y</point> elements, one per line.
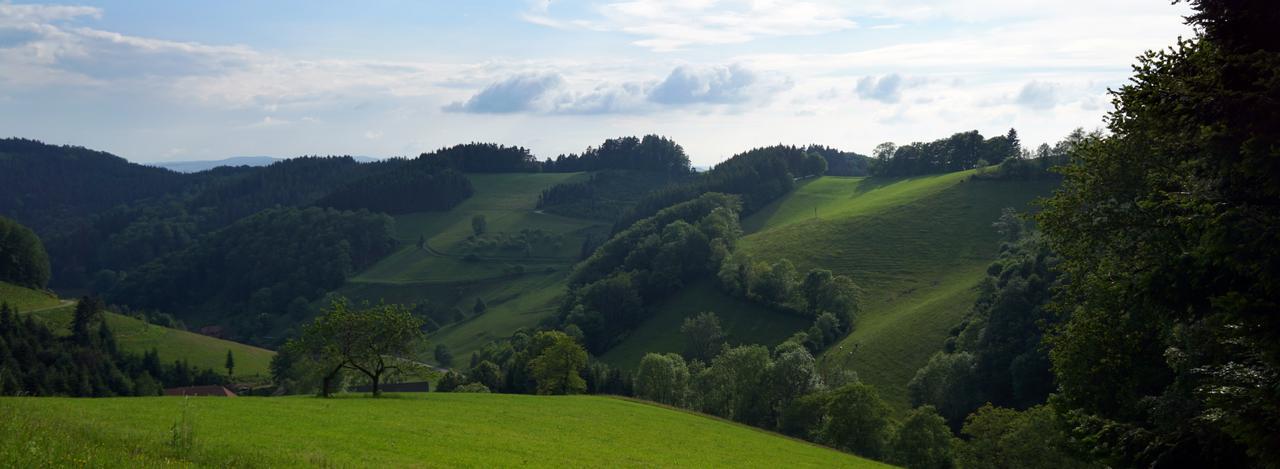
<point>437,430</point>
<point>26,299</point>
<point>744,323</point>
<point>440,273</point>
<point>915,246</point>
<point>138,336</point>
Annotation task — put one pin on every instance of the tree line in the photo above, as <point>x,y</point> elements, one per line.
<point>23,260</point>
<point>37,361</point>
<point>959,152</point>
<point>758,177</point>
<point>259,275</point>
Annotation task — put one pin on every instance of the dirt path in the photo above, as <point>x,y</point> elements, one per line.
<point>61,304</point>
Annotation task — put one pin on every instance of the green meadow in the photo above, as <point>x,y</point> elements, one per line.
<point>915,246</point>
<point>26,299</point>
<point>428,430</point>
<point>520,288</point>
<point>137,336</point>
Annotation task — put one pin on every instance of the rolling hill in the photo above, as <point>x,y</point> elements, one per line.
<point>137,336</point>
<point>520,287</point>
<point>437,429</point>
<point>916,247</point>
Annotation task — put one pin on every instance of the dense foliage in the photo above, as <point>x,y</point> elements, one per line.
<point>1167,230</point>
<point>842,163</point>
<point>36,361</point>
<point>961,151</point>
<point>651,153</point>
<point>485,158</point>
<point>259,274</point>
<point>758,176</point>
<point>23,260</point>
<point>415,188</point>
<point>372,341</point>
<point>93,250</point>
<point>996,355</point>
<point>610,290</point>
<point>606,194</point>
<point>49,187</point>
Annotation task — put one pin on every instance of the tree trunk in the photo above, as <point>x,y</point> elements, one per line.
<point>375,378</point>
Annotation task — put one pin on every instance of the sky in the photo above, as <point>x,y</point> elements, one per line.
<point>164,81</point>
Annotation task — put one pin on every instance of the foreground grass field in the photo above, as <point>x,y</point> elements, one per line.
<point>432,430</point>
<point>915,246</point>
<point>137,336</point>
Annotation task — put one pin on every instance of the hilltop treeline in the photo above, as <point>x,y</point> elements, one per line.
<point>36,361</point>
<point>961,151</point>
<point>50,188</point>
<point>650,153</point>
<point>23,260</point>
<point>259,274</point>
<point>758,177</point>
<point>417,188</point>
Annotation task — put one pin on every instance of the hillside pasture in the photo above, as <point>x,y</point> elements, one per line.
<point>915,246</point>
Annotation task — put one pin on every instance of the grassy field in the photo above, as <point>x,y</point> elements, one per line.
<point>137,336</point>
<point>431,430</point>
<point>915,246</point>
<point>26,299</point>
<point>744,322</point>
<point>441,273</point>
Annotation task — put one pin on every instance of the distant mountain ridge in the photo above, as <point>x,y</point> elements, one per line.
<point>195,166</point>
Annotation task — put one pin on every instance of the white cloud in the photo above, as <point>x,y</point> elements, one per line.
<point>725,87</point>
<point>514,94</point>
<point>886,88</point>
<point>669,25</point>
<point>1038,95</point>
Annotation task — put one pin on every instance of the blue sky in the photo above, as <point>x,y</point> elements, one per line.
<point>164,80</point>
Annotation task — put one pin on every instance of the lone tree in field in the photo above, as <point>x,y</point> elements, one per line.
<point>371,341</point>
<point>480,307</point>
<point>479,225</point>
<point>230,363</point>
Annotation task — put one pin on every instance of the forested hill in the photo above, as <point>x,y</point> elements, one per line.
<point>50,187</point>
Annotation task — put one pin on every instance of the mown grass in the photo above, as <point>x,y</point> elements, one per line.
<point>744,322</point>
<point>137,336</point>
<point>432,430</point>
<point>915,246</point>
<point>26,299</point>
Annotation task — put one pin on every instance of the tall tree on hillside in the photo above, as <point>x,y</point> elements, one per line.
<point>1167,231</point>
<point>87,312</point>
<point>558,367</point>
<point>703,336</point>
<point>479,225</point>
<point>230,364</point>
<point>23,260</point>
